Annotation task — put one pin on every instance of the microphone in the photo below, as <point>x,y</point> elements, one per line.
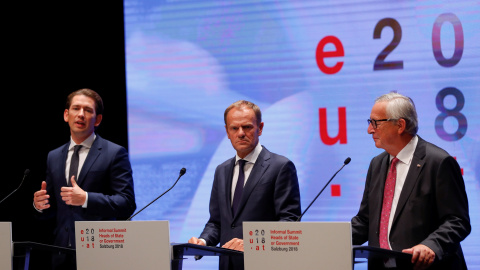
<point>182,172</point>
<point>27,171</point>
<point>344,163</point>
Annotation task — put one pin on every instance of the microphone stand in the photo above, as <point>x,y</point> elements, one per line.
<point>344,163</point>
<point>182,172</point>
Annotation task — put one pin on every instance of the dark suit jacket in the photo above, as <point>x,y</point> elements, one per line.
<point>432,209</point>
<point>271,194</point>
<point>107,177</point>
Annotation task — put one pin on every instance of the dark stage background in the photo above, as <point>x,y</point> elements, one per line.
<point>51,50</point>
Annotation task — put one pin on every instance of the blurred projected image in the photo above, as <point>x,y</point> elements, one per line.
<point>315,69</point>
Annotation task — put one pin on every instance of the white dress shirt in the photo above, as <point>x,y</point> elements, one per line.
<point>405,157</point>
<point>82,155</point>
<point>251,158</point>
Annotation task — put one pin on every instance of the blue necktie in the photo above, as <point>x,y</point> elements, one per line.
<point>74,164</point>
<point>239,187</point>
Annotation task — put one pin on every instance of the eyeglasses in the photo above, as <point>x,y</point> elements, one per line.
<point>374,123</point>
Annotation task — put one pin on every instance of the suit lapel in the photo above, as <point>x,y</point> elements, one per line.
<point>228,185</point>
<point>258,170</point>
<point>93,154</point>
<point>64,164</point>
<point>414,171</point>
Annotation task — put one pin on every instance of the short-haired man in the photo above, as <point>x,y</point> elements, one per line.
<point>414,199</point>
<point>266,189</point>
<point>101,186</point>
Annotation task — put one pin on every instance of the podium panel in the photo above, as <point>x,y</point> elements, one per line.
<point>297,245</point>
<point>186,249</point>
<point>123,245</point>
<point>5,245</point>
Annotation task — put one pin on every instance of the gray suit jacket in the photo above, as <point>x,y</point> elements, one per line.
<point>271,194</point>
<point>432,208</point>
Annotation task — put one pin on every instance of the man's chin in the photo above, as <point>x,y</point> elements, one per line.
<point>243,150</point>
<point>81,132</point>
<point>242,146</point>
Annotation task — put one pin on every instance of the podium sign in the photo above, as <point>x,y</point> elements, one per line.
<point>5,245</point>
<point>297,245</point>
<point>122,245</point>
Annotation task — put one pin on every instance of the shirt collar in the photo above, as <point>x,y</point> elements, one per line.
<point>406,154</point>
<point>252,156</point>
<point>87,143</point>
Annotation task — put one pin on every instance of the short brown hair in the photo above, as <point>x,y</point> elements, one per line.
<point>89,93</point>
<point>244,103</point>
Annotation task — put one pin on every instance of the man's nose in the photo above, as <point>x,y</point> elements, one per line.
<point>241,132</point>
<point>370,129</point>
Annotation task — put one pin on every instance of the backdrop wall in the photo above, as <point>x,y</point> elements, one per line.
<point>314,68</point>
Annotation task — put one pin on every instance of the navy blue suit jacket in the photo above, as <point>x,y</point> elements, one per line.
<point>271,193</point>
<point>107,177</point>
<point>432,208</point>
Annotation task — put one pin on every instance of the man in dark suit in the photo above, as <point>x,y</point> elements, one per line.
<point>101,188</point>
<point>418,205</point>
<point>266,189</point>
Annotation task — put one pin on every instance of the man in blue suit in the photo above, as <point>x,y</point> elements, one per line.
<point>102,186</point>
<point>267,187</point>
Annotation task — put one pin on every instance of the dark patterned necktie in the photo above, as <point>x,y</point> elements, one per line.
<point>387,203</point>
<point>239,187</point>
<point>74,164</point>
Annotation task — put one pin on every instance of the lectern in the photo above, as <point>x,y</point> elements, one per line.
<point>181,250</point>
<point>26,248</point>
<point>5,245</point>
<point>308,245</point>
<point>122,245</point>
<point>380,255</point>
<point>297,245</point>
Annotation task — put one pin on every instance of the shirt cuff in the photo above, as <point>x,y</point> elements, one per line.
<point>38,210</point>
<point>86,200</point>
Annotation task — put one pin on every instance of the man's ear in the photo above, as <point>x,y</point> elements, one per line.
<point>260,129</point>
<point>98,120</point>
<point>402,125</point>
<point>65,115</point>
<point>226,129</point>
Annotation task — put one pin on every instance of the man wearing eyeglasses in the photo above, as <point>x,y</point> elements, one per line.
<point>414,199</point>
